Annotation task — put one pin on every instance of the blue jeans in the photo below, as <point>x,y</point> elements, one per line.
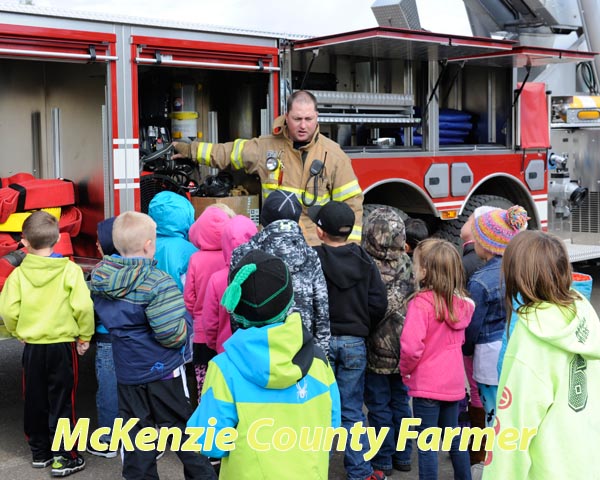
<point>107,400</point>
<point>435,413</point>
<point>386,398</point>
<point>348,358</point>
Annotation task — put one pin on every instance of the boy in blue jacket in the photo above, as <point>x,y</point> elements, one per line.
<point>144,312</point>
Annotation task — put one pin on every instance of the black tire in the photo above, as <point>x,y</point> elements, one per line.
<point>450,230</point>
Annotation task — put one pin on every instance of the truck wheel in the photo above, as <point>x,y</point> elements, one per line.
<point>450,230</point>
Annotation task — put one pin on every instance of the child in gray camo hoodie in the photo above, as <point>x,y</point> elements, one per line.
<point>282,236</point>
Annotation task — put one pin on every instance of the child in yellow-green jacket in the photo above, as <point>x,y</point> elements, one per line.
<point>549,390</point>
<point>46,304</point>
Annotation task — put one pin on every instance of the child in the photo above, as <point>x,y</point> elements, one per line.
<point>281,236</point>
<point>215,318</point>
<point>174,215</point>
<point>357,303</point>
<point>107,403</point>
<point>471,263</point>
<point>144,311</point>
<point>46,304</point>
<point>483,338</point>
<point>270,370</point>
<point>205,234</point>
<point>431,361</point>
<point>386,396</point>
<point>551,373</point>
<point>416,231</point>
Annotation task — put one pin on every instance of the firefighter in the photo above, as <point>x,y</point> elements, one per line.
<point>295,158</point>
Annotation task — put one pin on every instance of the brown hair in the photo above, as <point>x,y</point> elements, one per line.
<point>301,96</point>
<point>444,274</point>
<point>40,229</point>
<point>537,269</point>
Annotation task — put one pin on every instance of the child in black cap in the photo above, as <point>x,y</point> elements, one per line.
<point>357,303</point>
<point>270,377</point>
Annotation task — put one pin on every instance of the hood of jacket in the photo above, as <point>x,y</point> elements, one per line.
<point>40,271</point>
<point>347,265</point>
<point>237,231</point>
<point>173,214</point>
<point>284,239</point>
<point>275,356</point>
<point>574,332</point>
<point>116,276</point>
<point>205,233</point>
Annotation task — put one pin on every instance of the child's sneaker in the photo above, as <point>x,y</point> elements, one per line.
<point>104,452</point>
<point>42,463</point>
<point>63,466</point>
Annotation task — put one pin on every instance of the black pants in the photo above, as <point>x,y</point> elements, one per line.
<point>163,403</point>
<point>50,374</point>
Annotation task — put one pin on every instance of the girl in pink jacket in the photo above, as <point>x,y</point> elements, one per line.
<point>431,361</point>
<point>205,234</point>
<point>215,318</point>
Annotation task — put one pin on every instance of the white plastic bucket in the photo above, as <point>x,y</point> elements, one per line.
<point>184,124</point>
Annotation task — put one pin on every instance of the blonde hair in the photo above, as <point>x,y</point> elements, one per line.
<point>226,208</point>
<point>536,268</point>
<point>131,231</point>
<point>444,275</point>
<point>40,229</point>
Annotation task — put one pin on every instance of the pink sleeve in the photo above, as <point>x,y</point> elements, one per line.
<point>189,289</point>
<point>210,313</point>
<point>412,340</point>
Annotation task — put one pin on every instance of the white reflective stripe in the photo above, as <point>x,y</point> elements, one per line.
<point>344,192</point>
<point>542,209</point>
<point>125,141</point>
<point>123,186</point>
<point>203,153</point>
<point>236,154</point>
<point>126,163</point>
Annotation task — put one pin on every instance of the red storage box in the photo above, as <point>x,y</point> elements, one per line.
<point>42,193</point>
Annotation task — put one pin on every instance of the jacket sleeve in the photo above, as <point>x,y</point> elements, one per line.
<point>166,314</point>
<point>345,188</point>
<point>10,302</point>
<point>210,314</point>
<point>239,154</point>
<point>321,307</point>
<point>530,399</point>
<point>336,406</point>
<point>189,288</point>
<point>82,304</point>
<point>412,339</point>
<point>378,302</point>
<point>479,296</point>
<point>217,402</point>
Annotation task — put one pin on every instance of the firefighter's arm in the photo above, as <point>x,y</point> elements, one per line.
<point>240,154</point>
<point>345,188</point>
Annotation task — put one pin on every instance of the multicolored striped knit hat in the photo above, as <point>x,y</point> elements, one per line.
<point>493,230</point>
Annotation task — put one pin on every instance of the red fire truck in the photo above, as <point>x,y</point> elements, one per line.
<point>435,124</point>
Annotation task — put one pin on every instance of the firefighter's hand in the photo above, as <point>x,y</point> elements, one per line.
<point>82,347</point>
<point>184,150</point>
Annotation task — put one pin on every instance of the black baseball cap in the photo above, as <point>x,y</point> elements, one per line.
<point>280,205</point>
<point>334,218</point>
